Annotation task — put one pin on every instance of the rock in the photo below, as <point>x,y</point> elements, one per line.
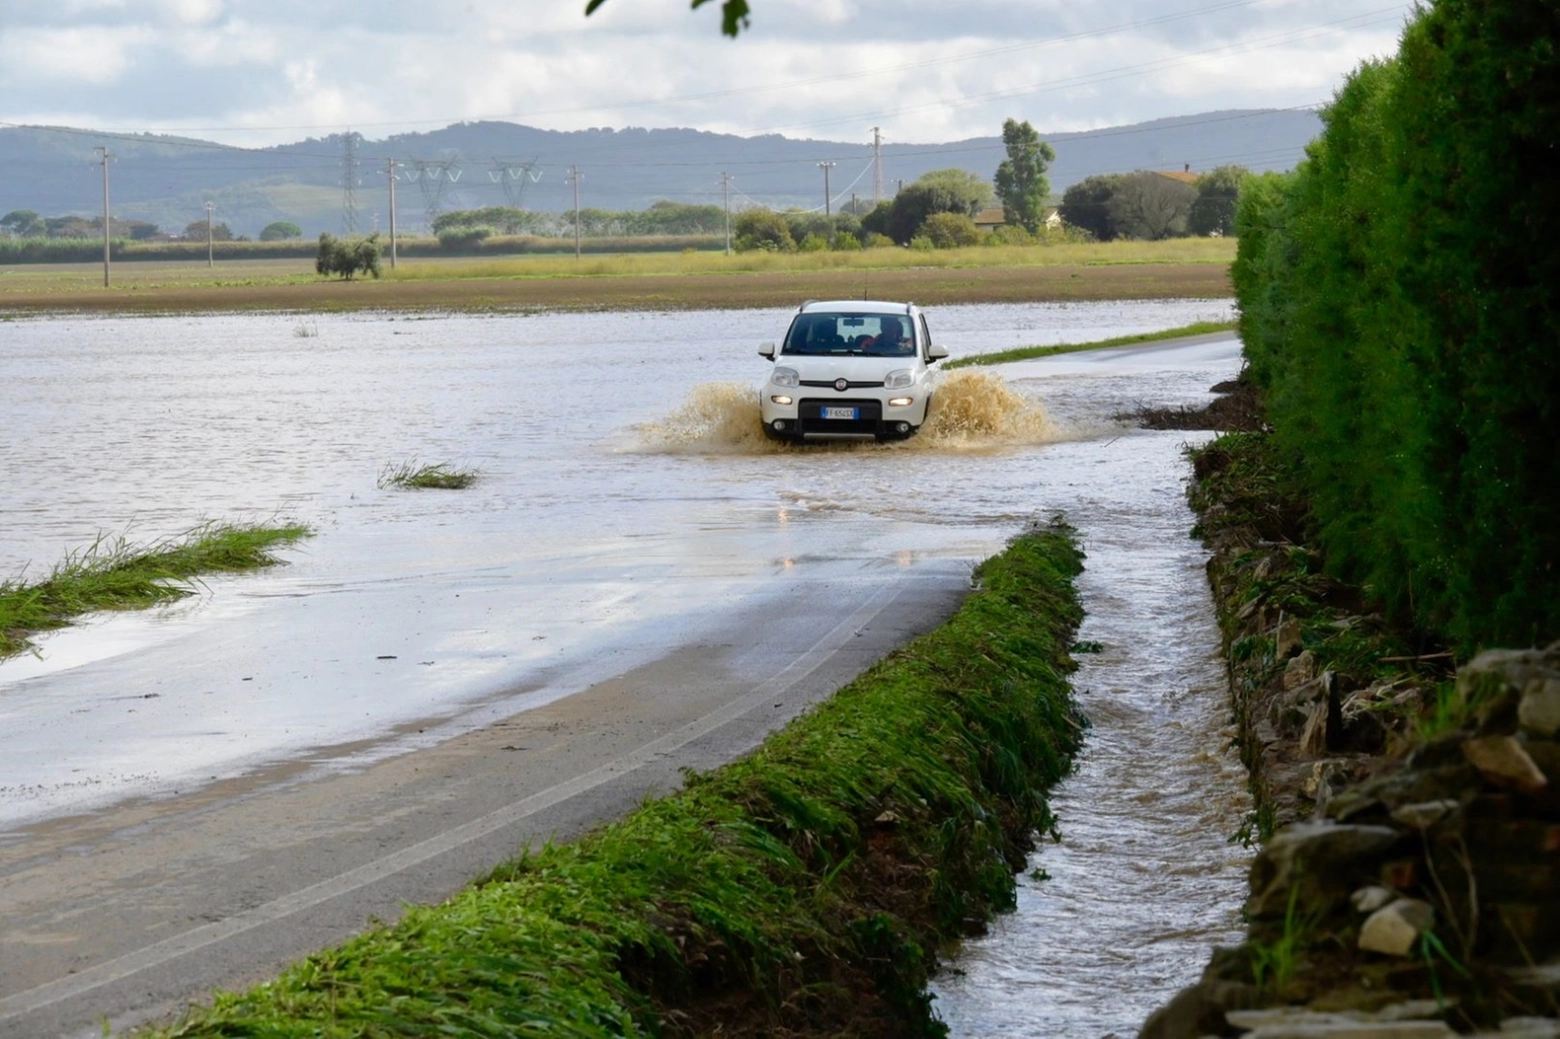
<point>1286,639</point>
<point>1198,1010</point>
<point>1313,738</point>
<point>1531,1027</point>
<point>1394,929</point>
<point>1539,710</point>
<point>1425,814</point>
<point>1299,1023</point>
<point>1324,780</point>
<point>1528,1028</point>
<point>1502,761</point>
<point>1325,861</point>
<point>1370,899</point>
<point>1300,669</point>
<point>1497,679</point>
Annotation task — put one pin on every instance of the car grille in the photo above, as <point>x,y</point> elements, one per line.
<point>828,384</point>
<point>809,410</point>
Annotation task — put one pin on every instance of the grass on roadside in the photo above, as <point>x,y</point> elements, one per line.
<point>1026,353</point>
<point>114,574</point>
<point>803,890</point>
<point>440,476</point>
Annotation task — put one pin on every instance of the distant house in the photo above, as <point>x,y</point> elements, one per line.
<point>991,218</point>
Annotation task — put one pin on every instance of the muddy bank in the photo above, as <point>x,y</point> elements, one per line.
<point>1406,882</point>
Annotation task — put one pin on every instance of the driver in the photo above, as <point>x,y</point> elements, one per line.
<point>886,342</point>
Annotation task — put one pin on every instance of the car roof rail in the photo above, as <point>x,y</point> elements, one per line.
<point>805,304</point>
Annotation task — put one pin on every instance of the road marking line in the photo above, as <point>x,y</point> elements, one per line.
<point>306,898</point>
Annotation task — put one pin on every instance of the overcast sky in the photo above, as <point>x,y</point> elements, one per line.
<point>256,72</point>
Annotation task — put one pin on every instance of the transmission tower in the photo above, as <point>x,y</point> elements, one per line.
<point>432,175</point>
<point>349,182</point>
<point>515,178</point>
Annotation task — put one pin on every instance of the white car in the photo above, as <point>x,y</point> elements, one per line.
<point>850,368</point>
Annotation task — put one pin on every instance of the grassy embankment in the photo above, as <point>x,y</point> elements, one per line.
<point>1181,268</point>
<point>800,891</point>
<point>1026,353</point>
<point>117,575</point>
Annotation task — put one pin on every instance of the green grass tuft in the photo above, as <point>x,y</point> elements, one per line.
<point>1026,353</point>
<point>114,574</point>
<point>439,476</point>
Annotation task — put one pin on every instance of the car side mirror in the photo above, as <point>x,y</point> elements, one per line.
<point>766,350</point>
<point>935,353</point>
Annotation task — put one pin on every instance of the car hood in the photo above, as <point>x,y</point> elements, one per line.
<point>855,369</point>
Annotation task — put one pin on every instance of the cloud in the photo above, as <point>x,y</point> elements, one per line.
<point>923,70</point>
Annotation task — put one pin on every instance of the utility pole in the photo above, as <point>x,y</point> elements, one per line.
<point>725,193</point>
<point>390,165</point>
<point>574,178</point>
<point>826,167</point>
<point>349,177</point>
<point>104,157</point>
<point>210,259</point>
<point>877,166</point>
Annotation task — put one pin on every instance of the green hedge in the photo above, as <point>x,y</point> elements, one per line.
<point>1398,297</point>
<point>806,886</point>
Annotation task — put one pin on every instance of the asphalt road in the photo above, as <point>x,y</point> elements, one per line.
<point>126,915</point>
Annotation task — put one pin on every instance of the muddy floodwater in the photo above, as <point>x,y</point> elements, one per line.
<point>625,504</point>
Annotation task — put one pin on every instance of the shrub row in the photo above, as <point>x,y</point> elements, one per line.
<point>802,890</point>
<point>1400,305</point>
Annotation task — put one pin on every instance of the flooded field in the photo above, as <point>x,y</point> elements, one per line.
<point>626,503</point>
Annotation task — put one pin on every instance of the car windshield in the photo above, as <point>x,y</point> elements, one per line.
<point>858,335</point>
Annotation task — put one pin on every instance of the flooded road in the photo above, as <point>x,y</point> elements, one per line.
<point>606,515</point>
<point>626,511</point>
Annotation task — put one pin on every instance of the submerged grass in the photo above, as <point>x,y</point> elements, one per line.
<point>800,891</point>
<point>114,574</point>
<point>1026,353</point>
<point>440,475</point>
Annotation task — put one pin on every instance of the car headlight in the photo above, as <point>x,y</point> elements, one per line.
<point>899,378</point>
<point>785,377</point>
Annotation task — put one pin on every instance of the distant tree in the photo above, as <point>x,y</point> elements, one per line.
<point>72,227</point>
<point>1086,205</point>
<point>1150,206</point>
<point>876,220</point>
<point>140,230</point>
<point>1020,179</point>
<point>463,237</point>
<point>972,193</point>
<point>676,218</point>
<point>280,231</point>
<point>503,220</point>
<point>24,223</point>
<point>950,230</point>
<point>1213,211</point>
<point>920,200</point>
<point>804,224</point>
<point>762,229</point>
<point>347,258</point>
<point>196,229</point>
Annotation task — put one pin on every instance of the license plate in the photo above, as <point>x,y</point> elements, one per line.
<point>845,414</point>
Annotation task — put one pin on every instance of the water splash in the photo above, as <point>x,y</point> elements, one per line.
<point>982,411</point>
<point>972,411</point>
<point>717,418</point>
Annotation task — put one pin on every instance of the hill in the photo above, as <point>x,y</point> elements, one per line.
<point>167,180</point>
